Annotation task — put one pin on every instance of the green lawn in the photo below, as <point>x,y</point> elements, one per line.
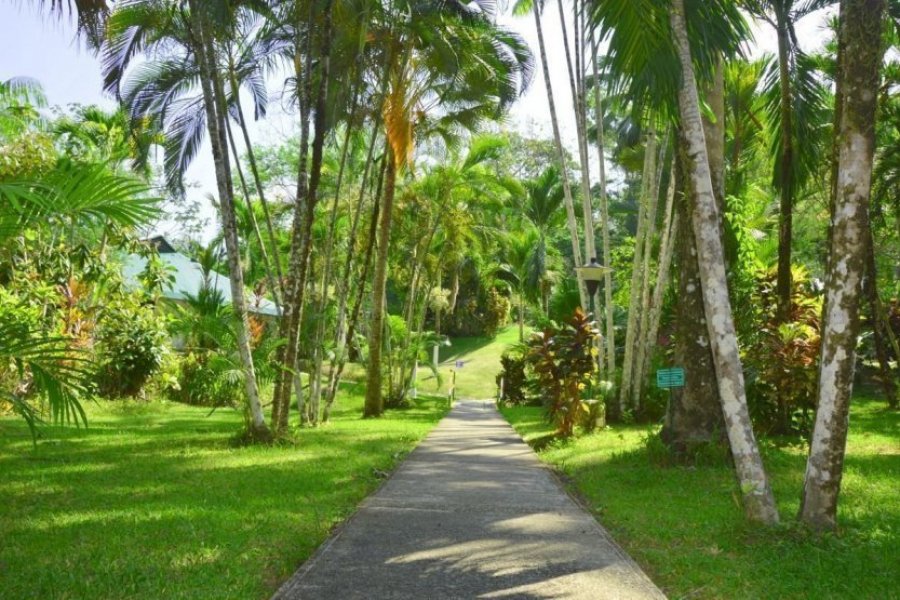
<point>683,525</point>
<point>481,363</point>
<point>152,501</point>
<point>475,379</point>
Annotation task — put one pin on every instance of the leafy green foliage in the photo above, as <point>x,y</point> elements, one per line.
<point>86,193</point>
<point>512,380</point>
<point>563,360</point>
<point>781,357</point>
<point>131,342</point>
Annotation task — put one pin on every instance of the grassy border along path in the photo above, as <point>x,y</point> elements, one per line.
<point>684,527</point>
<point>152,501</point>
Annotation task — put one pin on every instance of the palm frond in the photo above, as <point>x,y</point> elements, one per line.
<point>75,192</point>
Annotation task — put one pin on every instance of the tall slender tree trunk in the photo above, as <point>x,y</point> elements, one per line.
<point>860,39</point>
<point>880,326</point>
<point>267,264</point>
<point>650,314</point>
<point>288,376</point>
<point>343,284</point>
<point>302,234</point>
<point>783,282</point>
<point>374,404</point>
<point>560,149</point>
<point>759,503</point>
<point>214,105</point>
<point>694,413</point>
<point>580,132</point>
<point>714,134</point>
<point>318,343</point>
<point>644,318</point>
<point>260,189</point>
<point>604,228</point>
<point>360,289</point>
<point>634,292</point>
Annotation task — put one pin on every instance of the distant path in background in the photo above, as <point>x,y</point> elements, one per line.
<point>471,513</point>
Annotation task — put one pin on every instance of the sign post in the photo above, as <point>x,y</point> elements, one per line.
<point>451,395</point>
<point>670,379</point>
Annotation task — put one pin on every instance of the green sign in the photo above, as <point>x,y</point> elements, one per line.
<point>670,378</point>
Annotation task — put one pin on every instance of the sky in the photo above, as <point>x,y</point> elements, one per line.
<point>46,49</point>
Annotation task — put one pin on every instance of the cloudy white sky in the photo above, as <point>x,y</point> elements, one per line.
<point>47,51</point>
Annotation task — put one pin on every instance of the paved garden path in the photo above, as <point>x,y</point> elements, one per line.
<point>471,513</point>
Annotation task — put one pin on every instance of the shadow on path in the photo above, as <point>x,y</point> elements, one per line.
<point>471,513</point>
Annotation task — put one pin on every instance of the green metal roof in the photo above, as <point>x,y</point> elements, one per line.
<point>188,279</point>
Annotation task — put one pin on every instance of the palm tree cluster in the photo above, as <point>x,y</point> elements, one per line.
<point>401,210</point>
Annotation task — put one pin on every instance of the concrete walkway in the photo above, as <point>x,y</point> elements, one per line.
<point>471,513</point>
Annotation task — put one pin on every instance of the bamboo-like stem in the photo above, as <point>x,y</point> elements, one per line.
<point>604,226</point>
<point>564,169</point>
<point>649,173</point>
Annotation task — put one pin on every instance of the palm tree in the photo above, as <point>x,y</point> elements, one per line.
<point>90,15</point>
<point>543,201</point>
<point>861,52</point>
<point>20,101</point>
<point>759,503</point>
<point>604,219</point>
<point>186,38</point>
<point>523,269</point>
<point>643,69</point>
<point>795,106</point>
<point>535,6</point>
<point>489,69</point>
<point>108,136</point>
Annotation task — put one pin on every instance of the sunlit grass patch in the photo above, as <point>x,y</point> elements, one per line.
<point>154,501</point>
<point>685,526</point>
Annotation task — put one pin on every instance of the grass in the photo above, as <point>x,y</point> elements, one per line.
<point>476,378</point>
<point>481,363</point>
<point>684,526</point>
<point>152,501</point>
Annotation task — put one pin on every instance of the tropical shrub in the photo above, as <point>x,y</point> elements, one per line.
<point>481,310</point>
<point>495,312</point>
<point>781,357</point>
<point>512,380</point>
<point>131,342</point>
<point>203,380</point>
<point>563,360</point>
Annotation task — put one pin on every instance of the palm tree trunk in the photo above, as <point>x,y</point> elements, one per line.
<point>267,266</point>
<point>300,261</point>
<point>260,189</point>
<point>214,105</point>
<point>327,275</point>
<point>604,228</point>
<point>860,39</point>
<point>288,374</point>
<point>374,405</point>
<point>649,237</point>
<point>521,316</point>
<point>341,329</point>
<point>785,173</point>
<point>580,130</point>
<point>563,165</point>
<point>361,289</point>
<point>694,414</point>
<point>651,308</point>
<point>759,503</point>
<point>631,333</point>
